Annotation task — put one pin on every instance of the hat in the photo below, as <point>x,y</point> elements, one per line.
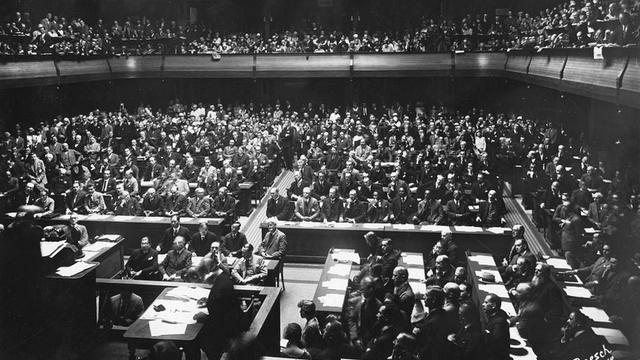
<point>487,277</point>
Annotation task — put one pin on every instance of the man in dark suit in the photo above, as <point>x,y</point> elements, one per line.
<point>571,238</point>
<point>124,308</point>
<point>332,206</point>
<point>430,211</point>
<point>152,204</point>
<point>403,207</point>
<point>458,210</point>
<point>362,314</point>
<point>171,233</point>
<point>354,210</point>
<point>177,262</point>
<point>378,209</point>
<point>176,203</point>
<point>154,170</point>
<point>223,204</point>
<point>429,331</point>
<point>143,262</point>
<point>107,185</point>
<point>277,205</point>
<point>491,212</point>
<point>306,207</point>
<point>625,33</point>
<point>581,196</point>
<point>496,329</point>
<point>233,242</point>
<point>200,242</point>
<point>320,188</point>
<point>274,244</point>
<point>74,199</point>
<point>298,184</point>
<point>402,289</point>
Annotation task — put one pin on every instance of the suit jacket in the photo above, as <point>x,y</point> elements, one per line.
<point>296,188</point>
<point>274,245</point>
<point>354,210</point>
<point>232,243</point>
<point>404,211</point>
<point>145,262</point>
<point>497,336</point>
<point>277,208</point>
<point>430,212</point>
<point>176,263</point>
<point>433,336</point>
<point>312,209</point>
<point>199,207</point>
<point>107,186</point>
<point>176,203</point>
<point>226,204</point>
<point>378,212</point>
<point>94,203</point>
<point>152,172</point>
<point>129,207</point>
<point>318,190</point>
<point>170,235</point>
<point>381,346</point>
<point>79,237</point>
<point>596,214</point>
<point>199,245</point>
<point>362,317</point>
<point>458,214</point>
<point>252,270</point>
<point>491,214</point>
<point>155,205</point>
<point>406,298</point>
<point>75,202</point>
<point>571,238</point>
<point>331,211</point>
<point>124,314</point>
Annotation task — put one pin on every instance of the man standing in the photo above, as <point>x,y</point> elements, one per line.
<point>143,262</point>
<point>496,329</point>
<point>403,207</point>
<point>274,244</point>
<point>171,233</point>
<point>402,289</point>
<point>177,262</point>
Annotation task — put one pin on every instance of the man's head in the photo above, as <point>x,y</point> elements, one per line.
<point>203,227</point>
<point>274,193</point>
<point>517,231</point>
<point>43,194</point>
<point>333,192</point>
<point>200,193</point>
<point>460,275</point>
<point>386,246</point>
<point>306,192</point>
<point>215,247</point>
<point>442,263</point>
<point>491,303</point>
<point>367,286</point>
<point>400,275</point>
<point>73,218</point>
<point>446,236</point>
<point>247,251</point>
<point>235,227</point>
<point>307,309</point>
<point>352,195</point>
<point>178,243</point>
<point>434,297</point>
<point>272,226</point>
<point>175,221</point>
<point>520,246</point>
<point>145,245</point>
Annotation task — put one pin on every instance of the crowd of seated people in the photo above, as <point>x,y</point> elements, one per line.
<point>570,24</point>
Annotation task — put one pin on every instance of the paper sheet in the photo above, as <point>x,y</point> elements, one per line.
<point>496,230</point>
<point>184,292</point>
<point>417,274</point>
<point>97,246</point>
<point>109,237</point>
<point>413,259</point>
<point>508,308</point>
<point>613,336</point>
<point>49,248</point>
<point>577,292</point>
<point>160,328</point>
<point>558,263</point>
<point>332,300</point>
<point>466,228</point>
<point>346,257</point>
<point>497,289</point>
<point>485,260</point>
<point>590,230</point>
<point>595,314</point>
<point>73,269</point>
<point>340,269</point>
<point>496,274</point>
<point>418,287</point>
<point>336,284</point>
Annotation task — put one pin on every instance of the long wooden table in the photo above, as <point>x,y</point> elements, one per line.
<point>310,241</point>
<point>483,262</point>
<point>331,293</point>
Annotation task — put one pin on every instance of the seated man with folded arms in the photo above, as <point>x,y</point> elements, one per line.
<point>233,242</point>
<point>354,211</point>
<point>199,205</point>
<point>152,204</point>
<point>250,269</point>
<point>177,261</point>
<point>143,262</point>
<point>224,205</point>
<point>176,203</point>
<point>307,208</point>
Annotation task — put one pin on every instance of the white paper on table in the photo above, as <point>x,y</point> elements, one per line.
<point>160,328</point>
<point>558,263</point>
<point>184,292</point>
<point>73,269</point>
<point>595,314</point>
<point>496,274</point>
<point>336,284</point>
<point>342,225</point>
<point>373,226</point>
<point>418,287</point>
<point>332,300</point>
<point>404,226</point>
<point>590,230</point>
<point>12,214</point>
<point>413,260</point>
<point>613,336</point>
<point>463,228</point>
<point>497,289</point>
<point>110,237</point>
<point>577,292</point>
<point>346,256</point>
<point>496,230</point>
<point>284,343</point>
<point>417,274</point>
<point>97,246</point>
<point>508,308</point>
<point>51,248</point>
<point>486,260</point>
<point>340,269</point>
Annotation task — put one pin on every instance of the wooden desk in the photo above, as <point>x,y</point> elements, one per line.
<point>330,300</point>
<point>110,255</point>
<point>310,241</point>
<point>476,264</point>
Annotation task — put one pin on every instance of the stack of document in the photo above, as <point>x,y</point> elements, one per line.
<point>51,248</point>
<point>346,256</point>
<point>332,300</point>
<point>340,269</point>
<point>184,292</point>
<point>413,260</point>
<point>74,269</point>
<point>336,284</point>
<point>485,260</point>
